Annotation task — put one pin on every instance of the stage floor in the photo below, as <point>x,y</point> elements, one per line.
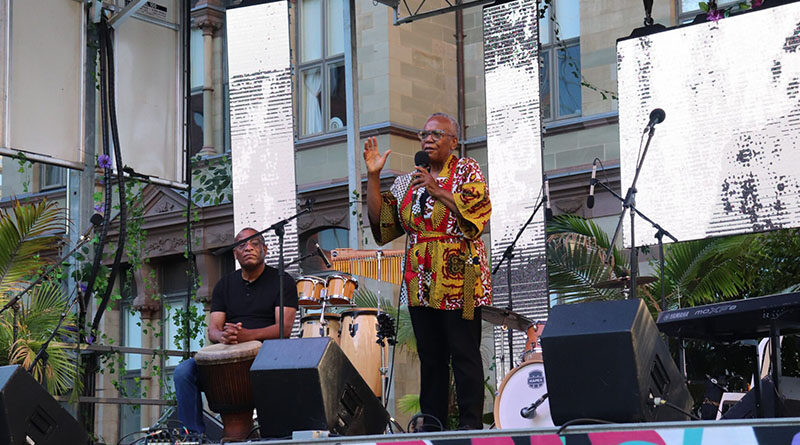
<point>720,432</point>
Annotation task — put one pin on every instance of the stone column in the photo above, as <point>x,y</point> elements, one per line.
<point>208,16</point>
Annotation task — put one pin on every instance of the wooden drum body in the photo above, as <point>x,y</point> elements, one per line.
<point>311,327</point>
<point>309,291</point>
<point>359,341</point>
<point>224,374</point>
<point>340,289</point>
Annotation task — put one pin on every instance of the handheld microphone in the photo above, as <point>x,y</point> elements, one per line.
<point>529,412</point>
<point>421,159</point>
<point>548,212</point>
<point>322,255</point>
<point>590,199</point>
<point>656,117</point>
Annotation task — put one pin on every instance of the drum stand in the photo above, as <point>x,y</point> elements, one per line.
<point>384,369</point>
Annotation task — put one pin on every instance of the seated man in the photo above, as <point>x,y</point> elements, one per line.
<point>244,306</point>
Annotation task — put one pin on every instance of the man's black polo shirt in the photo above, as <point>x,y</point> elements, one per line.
<point>252,304</point>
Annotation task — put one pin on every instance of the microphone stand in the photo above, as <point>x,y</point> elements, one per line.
<point>630,203</point>
<point>42,354</point>
<point>661,232</point>
<point>508,254</point>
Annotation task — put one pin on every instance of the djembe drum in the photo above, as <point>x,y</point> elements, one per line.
<point>224,374</point>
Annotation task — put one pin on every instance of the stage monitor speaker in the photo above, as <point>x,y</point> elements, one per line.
<point>29,414</point>
<point>302,384</point>
<point>605,360</point>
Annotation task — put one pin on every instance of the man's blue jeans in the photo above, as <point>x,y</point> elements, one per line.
<point>190,401</point>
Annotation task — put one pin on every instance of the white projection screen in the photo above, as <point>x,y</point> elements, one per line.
<point>262,142</point>
<point>44,49</point>
<point>513,119</point>
<point>726,159</point>
<point>150,90</point>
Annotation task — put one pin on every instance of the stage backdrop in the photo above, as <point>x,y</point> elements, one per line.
<point>262,144</point>
<point>515,160</point>
<point>726,158</point>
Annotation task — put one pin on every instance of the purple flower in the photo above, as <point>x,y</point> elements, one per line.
<point>100,208</point>
<point>82,286</point>
<point>104,161</point>
<point>714,15</point>
<point>756,3</point>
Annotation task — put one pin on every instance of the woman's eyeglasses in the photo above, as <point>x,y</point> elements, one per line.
<point>437,134</point>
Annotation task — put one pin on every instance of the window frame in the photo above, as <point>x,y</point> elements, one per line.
<point>552,49</point>
<point>43,177</point>
<point>324,63</point>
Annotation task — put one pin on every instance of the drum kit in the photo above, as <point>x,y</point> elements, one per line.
<point>521,400</point>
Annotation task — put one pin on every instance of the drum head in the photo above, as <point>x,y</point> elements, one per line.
<point>360,311</point>
<point>315,317</point>
<point>221,353</point>
<point>522,386</point>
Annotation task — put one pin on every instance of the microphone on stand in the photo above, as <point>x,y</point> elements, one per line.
<point>592,182</point>
<point>421,159</point>
<point>656,117</point>
<point>529,412</point>
<point>322,255</point>
<point>548,212</point>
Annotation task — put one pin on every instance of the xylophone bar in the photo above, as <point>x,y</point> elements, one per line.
<point>364,263</point>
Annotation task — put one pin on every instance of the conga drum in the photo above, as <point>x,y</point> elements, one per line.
<point>310,326</point>
<point>359,342</point>
<point>340,288</point>
<point>309,291</point>
<point>224,374</point>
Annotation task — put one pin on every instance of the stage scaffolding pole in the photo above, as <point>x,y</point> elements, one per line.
<point>353,125</point>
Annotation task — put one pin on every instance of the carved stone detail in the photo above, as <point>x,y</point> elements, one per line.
<point>147,301</point>
<point>209,16</point>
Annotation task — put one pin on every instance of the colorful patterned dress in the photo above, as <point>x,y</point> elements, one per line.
<point>445,264</point>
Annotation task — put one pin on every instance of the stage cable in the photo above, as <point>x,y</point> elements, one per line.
<point>187,120</point>
<point>107,41</point>
<point>581,421</point>
<point>98,252</point>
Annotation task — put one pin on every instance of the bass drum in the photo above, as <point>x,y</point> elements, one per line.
<point>522,386</point>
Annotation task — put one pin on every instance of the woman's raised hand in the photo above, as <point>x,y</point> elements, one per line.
<point>374,160</point>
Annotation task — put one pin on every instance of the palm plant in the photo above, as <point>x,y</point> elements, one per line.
<point>703,271</point>
<point>27,231</point>
<point>576,260</point>
<point>695,272</point>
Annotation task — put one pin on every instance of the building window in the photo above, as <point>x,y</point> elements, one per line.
<point>197,78</point>
<point>328,238</point>
<point>174,287</point>
<point>559,35</point>
<point>51,177</point>
<point>321,77</point>
<point>129,385</point>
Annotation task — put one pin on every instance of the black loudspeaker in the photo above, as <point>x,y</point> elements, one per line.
<point>605,360</point>
<point>29,414</point>
<point>302,384</point>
